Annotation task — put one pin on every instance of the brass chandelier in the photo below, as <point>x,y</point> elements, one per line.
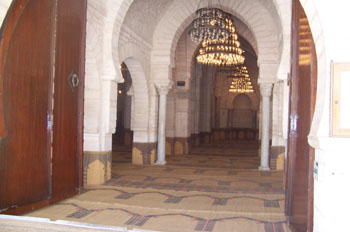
<point>209,24</point>
<point>222,52</point>
<point>241,82</point>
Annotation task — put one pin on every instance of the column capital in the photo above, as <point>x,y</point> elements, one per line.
<point>266,89</point>
<point>163,89</point>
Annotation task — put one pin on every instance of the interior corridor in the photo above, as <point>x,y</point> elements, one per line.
<point>215,188</point>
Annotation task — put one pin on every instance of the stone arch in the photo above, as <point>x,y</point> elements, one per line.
<point>140,99</point>
<point>242,101</point>
<point>117,9</point>
<point>128,47</point>
<point>242,113</point>
<point>265,26</point>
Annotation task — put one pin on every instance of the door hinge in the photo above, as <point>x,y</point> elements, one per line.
<point>49,121</point>
<point>293,124</point>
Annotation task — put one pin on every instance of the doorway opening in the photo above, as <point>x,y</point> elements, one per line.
<point>122,139</point>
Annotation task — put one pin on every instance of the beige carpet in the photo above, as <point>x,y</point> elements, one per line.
<point>191,193</point>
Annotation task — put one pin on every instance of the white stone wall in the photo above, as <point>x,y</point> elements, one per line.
<point>183,93</point>
<point>186,101</point>
<point>94,139</point>
<point>135,52</point>
<point>279,110</point>
<point>280,105</point>
<point>144,15</point>
<point>119,42</point>
<point>102,72</point>
<point>138,44</point>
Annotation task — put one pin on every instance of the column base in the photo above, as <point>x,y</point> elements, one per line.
<point>262,168</point>
<point>160,162</point>
<point>144,153</point>
<point>169,146</point>
<point>97,167</point>
<point>181,145</point>
<point>277,156</point>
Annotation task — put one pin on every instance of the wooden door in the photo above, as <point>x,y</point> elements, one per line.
<point>33,64</point>
<point>299,184</point>
<point>26,60</point>
<point>68,98</point>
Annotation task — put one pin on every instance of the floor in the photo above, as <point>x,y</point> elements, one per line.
<point>215,188</point>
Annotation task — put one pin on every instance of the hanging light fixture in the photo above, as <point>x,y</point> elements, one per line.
<point>241,82</point>
<point>209,24</point>
<point>222,52</point>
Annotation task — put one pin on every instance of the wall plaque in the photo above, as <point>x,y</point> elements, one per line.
<point>340,120</point>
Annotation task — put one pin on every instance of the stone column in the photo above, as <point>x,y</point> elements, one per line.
<point>128,116</point>
<point>163,91</point>
<point>265,90</point>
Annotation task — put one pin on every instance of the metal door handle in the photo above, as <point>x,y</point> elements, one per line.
<point>73,80</point>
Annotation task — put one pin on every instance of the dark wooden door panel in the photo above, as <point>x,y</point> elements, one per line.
<point>68,104</point>
<point>41,44</point>
<point>26,61</point>
<point>299,184</point>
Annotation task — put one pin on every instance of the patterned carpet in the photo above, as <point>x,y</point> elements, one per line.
<point>197,192</point>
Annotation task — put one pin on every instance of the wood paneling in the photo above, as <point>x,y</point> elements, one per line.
<point>26,76</point>
<point>42,42</point>
<point>68,106</point>
<point>299,184</point>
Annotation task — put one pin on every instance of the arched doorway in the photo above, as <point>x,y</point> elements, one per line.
<point>122,139</point>
<point>242,115</point>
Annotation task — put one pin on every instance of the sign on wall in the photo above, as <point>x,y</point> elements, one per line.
<point>340,121</point>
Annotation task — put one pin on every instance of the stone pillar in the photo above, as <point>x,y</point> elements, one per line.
<point>182,121</point>
<point>128,115</point>
<point>97,167</point>
<point>97,132</point>
<point>163,91</point>
<point>265,90</point>
<point>128,108</point>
